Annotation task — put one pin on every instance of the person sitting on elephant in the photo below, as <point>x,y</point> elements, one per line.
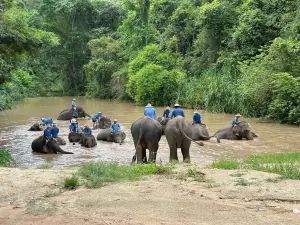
<point>74,116</point>
<point>115,126</point>
<point>87,129</point>
<point>235,121</point>
<point>47,133</point>
<point>167,112</point>
<point>197,118</point>
<point>47,121</point>
<point>74,104</point>
<point>73,126</point>
<point>177,111</point>
<point>96,117</point>
<point>149,111</point>
<point>54,130</point>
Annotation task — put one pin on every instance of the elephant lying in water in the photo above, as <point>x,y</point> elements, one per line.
<point>88,141</point>
<point>36,127</point>
<point>180,133</point>
<point>146,134</point>
<point>242,130</point>
<point>67,114</point>
<point>39,145</point>
<point>108,135</point>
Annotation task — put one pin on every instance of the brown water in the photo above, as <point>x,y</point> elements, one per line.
<point>15,137</point>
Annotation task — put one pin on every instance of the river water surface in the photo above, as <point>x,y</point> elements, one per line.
<point>14,136</point>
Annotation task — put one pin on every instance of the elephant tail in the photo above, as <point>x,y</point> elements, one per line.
<point>200,143</point>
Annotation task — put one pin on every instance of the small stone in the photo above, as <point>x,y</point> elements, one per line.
<point>297,211</point>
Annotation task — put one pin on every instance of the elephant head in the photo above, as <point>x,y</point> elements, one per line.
<point>243,130</point>
<point>36,127</point>
<point>104,122</point>
<point>53,147</point>
<point>88,141</point>
<point>74,137</point>
<point>119,137</point>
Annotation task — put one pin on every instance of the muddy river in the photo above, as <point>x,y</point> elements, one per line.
<point>15,137</point>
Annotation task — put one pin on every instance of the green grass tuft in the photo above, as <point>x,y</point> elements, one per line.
<point>227,165</point>
<point>242,182</point>
<point>6,159</point>
<point>71,182</point>
<point>97,174</point>
<point>44,166</point>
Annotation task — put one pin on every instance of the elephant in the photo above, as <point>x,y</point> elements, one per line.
<point>67,114</point>
<point>180,134</point>
<point>242,130</point>
<point>36,127</point>
<point>163,122</point>
<point>103,123</point>
<point>146,133</point>
<point>74,137</point>
<point>39,145</point>
<point>108,135</point>
<point>88,140</point>
<point>60,141</point>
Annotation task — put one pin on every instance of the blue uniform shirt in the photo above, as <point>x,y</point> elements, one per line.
<point>96,117</point>
<point>177,112</point>
<point>197,118</point>
<point>166,113</point>
<point>47,134</point>
<point>48,121</point>
<point>54,131</point>
<point>150,112</point>
<point>73,127</point>
<point>73,104</point>
<point>115,127</point>
<point>235,121</point>
<point>87,130</point>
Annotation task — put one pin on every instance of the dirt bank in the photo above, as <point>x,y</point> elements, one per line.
<point>34,196</point>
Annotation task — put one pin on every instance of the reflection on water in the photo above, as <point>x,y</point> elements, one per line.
<point>15,137</point>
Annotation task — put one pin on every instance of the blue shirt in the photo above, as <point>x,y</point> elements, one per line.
<point>166,113</point>
<point>87,130</point>
<point>73,103</point>
<point>235,121</point>
<point>47,134</point>
<point>48,121</point>
<point>54,131</point>
<point>115,127</point>
<point>177,112</point>
<point>150,112</point>
<point>96,117</point>
<point>73,127</point>
<point>197,118</point>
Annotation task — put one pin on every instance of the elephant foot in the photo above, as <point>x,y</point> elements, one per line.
<point>187,160</point>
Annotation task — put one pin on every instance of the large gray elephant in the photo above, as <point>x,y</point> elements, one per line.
<point>36,127</point>
<point>74,137</point>
<point>180,134</point>
<point>60,141</point>
<point>242,130</point>
<point>108,135</point>
<point>67,114</point>
<point>88,140</point>
<point>146,134</point>
<point>103,123</point>
<point>39,145</point>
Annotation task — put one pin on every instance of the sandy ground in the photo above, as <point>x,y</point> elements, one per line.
<point>34,196</point>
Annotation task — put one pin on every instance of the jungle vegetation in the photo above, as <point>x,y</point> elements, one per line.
<point>220,55</point>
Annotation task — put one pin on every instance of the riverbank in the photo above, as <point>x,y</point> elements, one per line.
<point>35,196</point>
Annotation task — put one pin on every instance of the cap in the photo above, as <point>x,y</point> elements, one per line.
<point>176,105</point>
<point>148,105</point>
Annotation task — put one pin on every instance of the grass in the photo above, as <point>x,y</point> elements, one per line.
<point>51,193</point>
<point>242,182</point>
<point>6,159</point>
<point>285,164</point>
<point>44,166</point>
<point>71,182</point>
<point>97,174</point>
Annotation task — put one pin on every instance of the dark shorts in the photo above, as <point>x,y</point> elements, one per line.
<point>94,120</point>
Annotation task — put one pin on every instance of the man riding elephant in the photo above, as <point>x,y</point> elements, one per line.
<point>54,130</point>
<point>50,146</point>
<point>146,133</point>
<point>67,114</point>
<point>236,132</point>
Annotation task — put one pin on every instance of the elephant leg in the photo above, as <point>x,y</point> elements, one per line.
<point>45,149</point>
<point>152,152</point>
<point>173,152</point>
<point>139,153</point>
<point>185,150</point>
<point>144,155</point>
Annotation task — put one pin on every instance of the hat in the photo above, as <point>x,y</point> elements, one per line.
<point>85,125</point>
<point>73,121</point>
<point>148,105</point>
<point>99,112</point>
<point>53,123</point>
<point>176,105</point>
<point>48,126</point>
<point>74,99</point>
<point>238,115</point>
<point>196,112</point>
<point>167,107</point>
<point>115,120</point>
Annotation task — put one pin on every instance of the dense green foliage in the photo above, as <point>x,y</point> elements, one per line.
<point>5,158</point>
<point>220,55</point>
